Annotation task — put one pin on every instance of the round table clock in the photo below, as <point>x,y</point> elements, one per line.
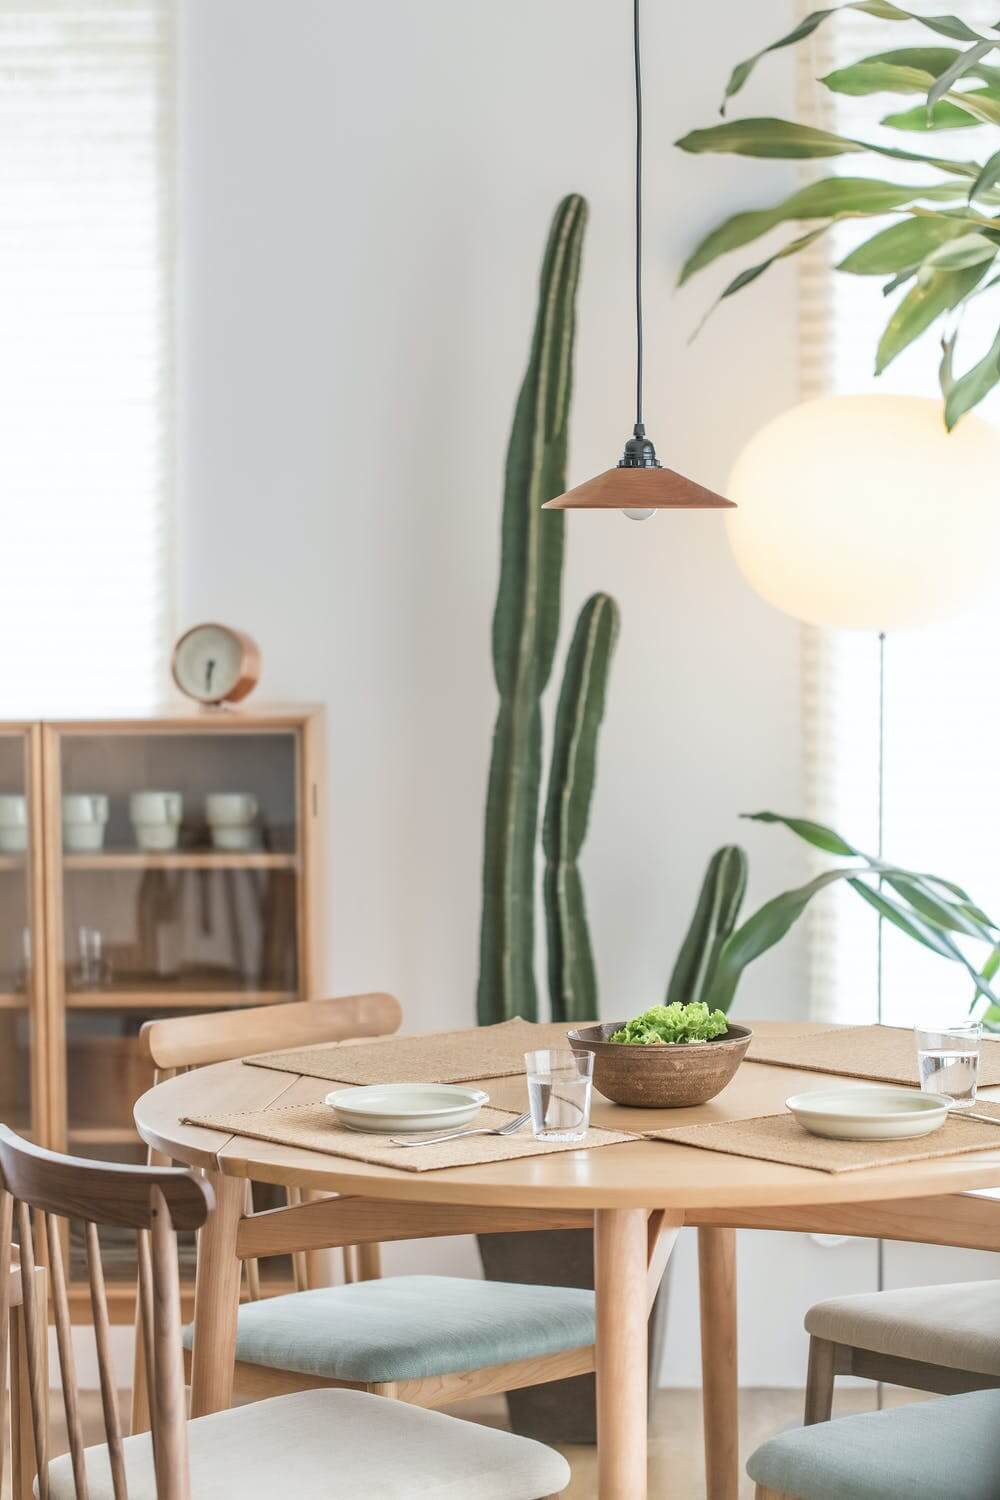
<point>215,664</point>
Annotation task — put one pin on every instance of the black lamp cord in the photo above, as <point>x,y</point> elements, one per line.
<point>639,430</point>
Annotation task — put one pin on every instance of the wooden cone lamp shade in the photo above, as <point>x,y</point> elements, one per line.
<point>631,488</point>
<point>639,485</point>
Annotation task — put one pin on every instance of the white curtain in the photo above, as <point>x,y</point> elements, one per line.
<point>942,715</point>
<point>86,101</point>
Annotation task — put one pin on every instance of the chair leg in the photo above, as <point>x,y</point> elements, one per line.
<point>819,1381</point>
<point>23,1462</point>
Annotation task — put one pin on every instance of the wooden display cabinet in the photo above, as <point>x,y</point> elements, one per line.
<point>93,942</point>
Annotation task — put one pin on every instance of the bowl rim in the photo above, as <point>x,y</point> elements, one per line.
<point>576,1039</point>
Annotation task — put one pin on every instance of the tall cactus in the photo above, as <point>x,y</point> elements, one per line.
<point>525,627</point>
<point>714,919</point>
<point>572,980</point>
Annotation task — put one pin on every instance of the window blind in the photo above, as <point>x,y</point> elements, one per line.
<point>85,368</point>
<point>942,720</point>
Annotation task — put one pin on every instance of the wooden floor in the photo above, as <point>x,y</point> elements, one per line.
<point>676,1468</point>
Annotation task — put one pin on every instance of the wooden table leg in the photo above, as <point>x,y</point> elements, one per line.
<point>217,1299</point>
<point>719,1372</point>
<point>620,1283</point>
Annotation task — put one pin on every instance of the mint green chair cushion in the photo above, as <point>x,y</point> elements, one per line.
<point>947,1449</point>
<point>405,1327</point>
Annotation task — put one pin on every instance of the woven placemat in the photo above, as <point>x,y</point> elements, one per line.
<point>315,1127</point>
<point>781,1138</point>
<point>880,1054</point>
<point>436,1057</point>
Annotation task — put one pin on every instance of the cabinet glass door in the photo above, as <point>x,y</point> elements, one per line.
<point>178,855</point>
<point>22,1103</point>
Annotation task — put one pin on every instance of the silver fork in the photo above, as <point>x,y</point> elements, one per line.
<point>457,1135</point>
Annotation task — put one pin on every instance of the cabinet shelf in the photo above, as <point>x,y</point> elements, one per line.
<point>167,999</point>
<point>13,1000</point>
<point>103,1135</point>
<point>180,859</point>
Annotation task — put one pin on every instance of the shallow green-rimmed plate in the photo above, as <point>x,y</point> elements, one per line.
<point>862,1112</point>
<point>391,1108</point>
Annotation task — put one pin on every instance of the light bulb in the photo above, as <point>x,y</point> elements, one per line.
<point>637,515</point>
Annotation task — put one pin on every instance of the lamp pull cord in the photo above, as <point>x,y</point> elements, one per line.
<point>639,429</point>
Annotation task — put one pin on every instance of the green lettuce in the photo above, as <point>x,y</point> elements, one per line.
<point>673,1023</point>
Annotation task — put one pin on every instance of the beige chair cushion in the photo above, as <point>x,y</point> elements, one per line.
<point>957,1325</point>
<point>336,1445</point>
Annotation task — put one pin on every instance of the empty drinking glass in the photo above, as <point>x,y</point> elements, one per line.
<point>948,1060</point>
<point>92,970</point>
<point>559,1085</point>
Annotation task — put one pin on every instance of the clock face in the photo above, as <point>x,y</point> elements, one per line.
<point>215,664</point>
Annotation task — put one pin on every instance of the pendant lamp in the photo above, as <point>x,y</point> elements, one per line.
<point>639,484</point>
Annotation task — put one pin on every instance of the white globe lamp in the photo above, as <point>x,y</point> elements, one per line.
<point>864,512</point>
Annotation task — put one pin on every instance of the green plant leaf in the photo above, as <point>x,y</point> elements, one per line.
<point>963,63</point>
<point>876,76</point>
<point>967,250</point>
<point>818,200</point>
<point>964,392</point>
<point>961,917</point>
<point>934,60</point>
<point>900,247</point>
<point>952,27</point>
<point>766,136</point>
<point>922,932</point>
<point>922,306</point>
<point>982,104</point>
<point>752,272</point>
<point>987,177</point>
<point>943,116</point>
<point>775,918</point>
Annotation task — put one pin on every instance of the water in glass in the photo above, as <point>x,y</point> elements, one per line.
<point>948,1061</point>
<point>559,1086</point>
<point>952,1073</point>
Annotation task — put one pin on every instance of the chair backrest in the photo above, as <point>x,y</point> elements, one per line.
<point>195,1041</point>
<point>39,1190</point>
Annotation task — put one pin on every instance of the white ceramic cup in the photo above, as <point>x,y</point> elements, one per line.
<point>231,817</point>
<point>13,823</point>
<point>156,818</point>
<point>84,820</point>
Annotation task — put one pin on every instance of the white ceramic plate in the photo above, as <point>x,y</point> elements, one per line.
<point>865,1113</point>
<point>382,1108</point>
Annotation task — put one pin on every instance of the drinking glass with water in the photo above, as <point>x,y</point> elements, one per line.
<point>948,1060</point>
<point>559,1087</point>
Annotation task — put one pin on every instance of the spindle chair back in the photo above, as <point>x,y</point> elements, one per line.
<point>39,1189</point>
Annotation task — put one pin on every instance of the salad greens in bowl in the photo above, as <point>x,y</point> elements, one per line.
<point>673,1023</point>
<point>669,1057</point>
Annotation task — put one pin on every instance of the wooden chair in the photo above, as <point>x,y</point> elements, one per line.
<point>930,1450</point>
<point>341,1444</point>
<point>430,1341</point>
<point>944,1339</point>
<point>14,1342</point>
<point>184,1042</point>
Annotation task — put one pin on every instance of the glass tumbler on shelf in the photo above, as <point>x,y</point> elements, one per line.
<point>92,970</point>
<point>948,1061</point>
<point>559,1088</point>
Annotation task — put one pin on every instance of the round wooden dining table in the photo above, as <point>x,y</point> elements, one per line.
<point>636,1195</point>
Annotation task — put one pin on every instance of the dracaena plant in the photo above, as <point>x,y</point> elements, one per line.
<point>932,911</point>
<point>945,237</point>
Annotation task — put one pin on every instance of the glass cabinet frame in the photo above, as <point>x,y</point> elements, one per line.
<point>278,867</point>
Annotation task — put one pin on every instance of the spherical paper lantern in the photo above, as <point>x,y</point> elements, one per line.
<point>864,512</point>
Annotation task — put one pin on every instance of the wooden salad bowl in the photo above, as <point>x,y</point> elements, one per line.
<point>669,1077</point>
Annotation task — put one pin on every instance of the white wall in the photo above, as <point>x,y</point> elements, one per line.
<point>364,196</point>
